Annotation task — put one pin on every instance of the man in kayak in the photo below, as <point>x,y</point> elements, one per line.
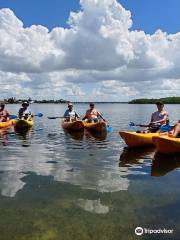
<point>4,114</point>
<point>92,115</point>
<point>158,118</point>
<point>24,112</point>
<point>70,114</point>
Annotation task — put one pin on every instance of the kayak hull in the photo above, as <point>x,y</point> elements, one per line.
<point>167,145</point>
<point>22,125</point>
<point>133,139</point>
<point>6,124</point>
<point>95,127</point>
<point>73,126</point>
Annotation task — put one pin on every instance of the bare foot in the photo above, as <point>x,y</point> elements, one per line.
<point>171,135</point>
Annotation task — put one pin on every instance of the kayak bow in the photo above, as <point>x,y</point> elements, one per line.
<point>6,124</point>
<point>22,125</point>
<point>167,145</point>
<point>95,127</point>
<point>133,139</point>
<point>73,126</point>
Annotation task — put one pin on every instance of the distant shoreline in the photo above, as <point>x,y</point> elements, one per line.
<point>167,100</point>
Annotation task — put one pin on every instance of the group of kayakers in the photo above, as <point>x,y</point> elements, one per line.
<point>158,118</point>
<point>91,115</point>
<point>23,113</point>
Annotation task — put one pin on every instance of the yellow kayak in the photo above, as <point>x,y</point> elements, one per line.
<point>95,127</point>
<point>6,124</point>
<point>166,144</point>
<point>22,125</point>
<point>133,139</point>
<point>73,126</point>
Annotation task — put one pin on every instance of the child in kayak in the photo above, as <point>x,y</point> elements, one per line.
<point>70,115</point>
<point>24,112</point>
<point>92,115</point>
<point>4,114</point>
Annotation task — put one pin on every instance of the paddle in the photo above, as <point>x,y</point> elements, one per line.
<point>15,116</point>
<point>54,117</point>
<point>108,128</point>
<point>163,128</point>
<point>132,124</point>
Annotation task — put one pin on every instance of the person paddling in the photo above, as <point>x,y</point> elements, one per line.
<point>25,112</point>
<point>158,118</point>
<point>70,114</point>
<point>4,114</point>
<point>92,115</point>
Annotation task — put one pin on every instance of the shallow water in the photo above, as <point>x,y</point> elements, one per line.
<point>55,185</point>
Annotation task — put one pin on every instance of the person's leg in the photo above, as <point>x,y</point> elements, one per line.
<point>176,130</point>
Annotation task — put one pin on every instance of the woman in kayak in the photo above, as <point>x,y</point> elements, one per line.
<point>24,112</point>
<point>92,115</point>
<point>4,114</point>
<point>70,114</point>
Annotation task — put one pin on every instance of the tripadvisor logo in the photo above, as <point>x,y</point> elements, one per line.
<point>139,231</point>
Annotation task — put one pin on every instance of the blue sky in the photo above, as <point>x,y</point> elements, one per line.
<point>147,15</point>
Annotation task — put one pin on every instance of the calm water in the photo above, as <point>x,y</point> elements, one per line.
<point>54,185</point>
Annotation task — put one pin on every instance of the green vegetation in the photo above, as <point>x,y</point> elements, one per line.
<point>167,100</point>
<point>13,100</point>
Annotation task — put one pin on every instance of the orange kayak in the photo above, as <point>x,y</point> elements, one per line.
<point>73,126</point>
<point>167,145</point>
<point>6,124</point>
<point>133,139</point>
<point>95,127</point>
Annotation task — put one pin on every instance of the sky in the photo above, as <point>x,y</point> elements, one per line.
<point>91,50</point>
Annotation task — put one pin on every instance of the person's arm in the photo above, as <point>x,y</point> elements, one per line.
<point>85,116</point>
<point>66,114</point>
<point>151,118</point>
<point>7,115</point>
<point>20,113</point>
<point>100,115</point>
<point>76,115</point>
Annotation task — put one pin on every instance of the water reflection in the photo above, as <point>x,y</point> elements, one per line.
<point>163,164</point>
<point>24,137</point>
<point>4,137</point>
<point>93,206</point>
<point>76,135</point>
<point>160,164</point>
<point>131,156</point>
<point>101,136</point>
<point>81,159</point>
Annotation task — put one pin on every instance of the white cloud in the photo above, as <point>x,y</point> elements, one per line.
<point>99,48</point>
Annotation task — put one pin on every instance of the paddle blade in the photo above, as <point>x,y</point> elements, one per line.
<point>52,117</point>
<point>39,115</point>
<point>131,124</point>
<point>109,129</point>
<point>12,116</point>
